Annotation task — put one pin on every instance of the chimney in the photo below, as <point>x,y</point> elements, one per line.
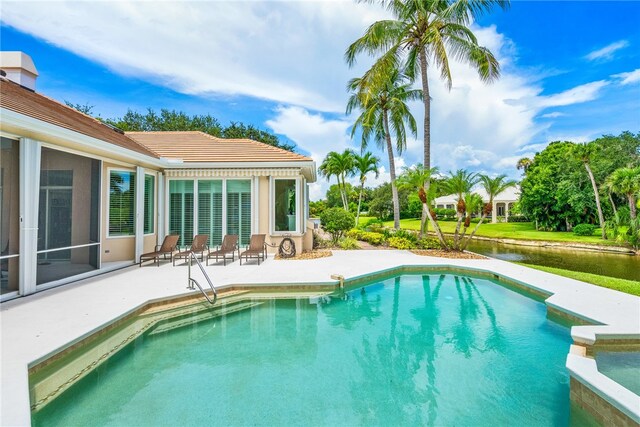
<point>19,68</point>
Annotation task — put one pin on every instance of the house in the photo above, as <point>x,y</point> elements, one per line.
<point>79,197</point>
<point>502,203</point>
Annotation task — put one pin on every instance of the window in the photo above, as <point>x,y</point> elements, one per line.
<point>181,210</point>
<point>149,199</point>
<point>285,206</point>
<point>210,210</point>
<point>122,203</point>
<point>239,209</point>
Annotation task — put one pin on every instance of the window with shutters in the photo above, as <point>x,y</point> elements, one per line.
<point>210,210</point>
<point>121,203</point>
<point>239,209</point>
<point>149,204</point>
<point>181,210</point>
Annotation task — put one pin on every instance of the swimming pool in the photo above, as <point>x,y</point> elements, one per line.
<point>439,349</point>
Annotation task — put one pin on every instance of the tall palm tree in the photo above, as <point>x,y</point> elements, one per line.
<point>584,153</point>
<point>493,187</point>
<point>384,113</point>
<point>626,181</point>
<point>426,32</point>
<point>340,165</point>
<point>524,163</point>
<point>414,178</point>
<point>363,165</point>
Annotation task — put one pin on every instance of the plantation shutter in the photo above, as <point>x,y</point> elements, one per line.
<point>149,205</point>
<point>210,210</point>
<point>239,209</point>
<point>121,203</point>
<point>181,210</point>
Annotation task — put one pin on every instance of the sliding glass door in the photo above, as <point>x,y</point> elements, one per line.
<point>9,215</point>
<point>181,210</point>
<point>239,209</point>
<point>210,210</point>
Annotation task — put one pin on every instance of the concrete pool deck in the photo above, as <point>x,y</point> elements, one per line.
<point>35,326</point>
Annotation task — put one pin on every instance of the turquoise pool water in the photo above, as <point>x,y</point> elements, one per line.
<point>435,349</point>
<point>622,367</point>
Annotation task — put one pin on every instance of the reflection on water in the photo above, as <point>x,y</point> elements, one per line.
<point>605,264</point>
<point>435,349</point>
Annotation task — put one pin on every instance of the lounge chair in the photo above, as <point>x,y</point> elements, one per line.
<point>228,247</point>
<point>168,247</point>
<point>256,249</point>
<point>198,246</point>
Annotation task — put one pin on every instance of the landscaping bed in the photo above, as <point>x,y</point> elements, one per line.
<point>315,254</point>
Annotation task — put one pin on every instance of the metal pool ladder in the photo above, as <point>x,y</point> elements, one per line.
<point>191,281</point>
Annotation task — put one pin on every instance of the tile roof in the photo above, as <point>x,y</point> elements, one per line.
<point>24,101</point>
<point>195,146</point>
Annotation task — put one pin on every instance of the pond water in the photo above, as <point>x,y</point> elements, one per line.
<point>605,264</point>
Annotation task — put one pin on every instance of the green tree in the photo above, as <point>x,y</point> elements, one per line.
<point>493,187</point>
<point>364,164</point>
<point>336,222</point>
<point>626,181</point>
<point>340,165</point>
<point>584,153</point>
<point>83,108</point>
<point>172,120</point>
<point>460,183</point>
<point>383,112</point>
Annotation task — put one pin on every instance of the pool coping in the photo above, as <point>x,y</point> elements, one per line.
<point>609,324</point>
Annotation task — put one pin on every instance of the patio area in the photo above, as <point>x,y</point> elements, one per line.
<point>35,326</point>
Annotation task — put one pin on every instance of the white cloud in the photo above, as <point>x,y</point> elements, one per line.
<point>628,78</point>
<point>552,115</point>
<point>279,51</point>
<point>606,53</point>
<point>576,95</point>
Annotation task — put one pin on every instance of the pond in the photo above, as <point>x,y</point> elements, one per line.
<point>605,264</point>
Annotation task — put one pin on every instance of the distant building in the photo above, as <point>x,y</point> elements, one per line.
<point>502,203</point>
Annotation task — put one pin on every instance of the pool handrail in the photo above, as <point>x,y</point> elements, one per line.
<point>190,281</point>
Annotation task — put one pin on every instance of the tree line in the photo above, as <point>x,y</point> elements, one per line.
<point>172,120</point>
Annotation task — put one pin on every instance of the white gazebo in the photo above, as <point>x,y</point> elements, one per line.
<point>502,203</point>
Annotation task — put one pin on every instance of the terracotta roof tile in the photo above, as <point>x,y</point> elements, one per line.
<point>201,147</point>
<point>24,101</point>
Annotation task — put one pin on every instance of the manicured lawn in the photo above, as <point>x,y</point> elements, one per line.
<point>622,285</point>
<point>512,230</point>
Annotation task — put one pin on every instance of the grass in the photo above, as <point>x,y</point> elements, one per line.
<point>512,230</point>
<point>627,286</point>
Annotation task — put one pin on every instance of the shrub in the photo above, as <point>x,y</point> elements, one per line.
<point>336,221</point>
<point>348,243</point>
<point>518,218</point>
<point>445,214</point>
<point>401,243</point>
<point>584,229</point>
<point>405,234</point>
<point>373,238</point>
<point>428,243</point>
<point>319,242</point>
<point>354,233</point>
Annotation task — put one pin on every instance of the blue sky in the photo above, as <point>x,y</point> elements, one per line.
<point>571,70</point>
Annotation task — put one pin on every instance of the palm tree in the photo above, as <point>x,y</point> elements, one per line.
<point>384,111</point>
<point>363,165</point>
<point>584,152</point>
<point>423,31</point>
<point>524,164</point>
<point>428,31</point>
<point>626,181</point>
<point>340,165</point>
<point>460,183</point>
<point>414,178</point>
<point>493,187</point>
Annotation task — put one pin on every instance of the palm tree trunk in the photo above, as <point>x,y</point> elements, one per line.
<point>343,193</point>
<point>456,235</point>
<point>473,233</point>
<point>613,205</point>
<point>632,206</point>
<point>392,172</point>
<point>598,205</point>
<point>426,99</point>
<point>359,202</point>
<point>437,229</point>
<point>423,220</point>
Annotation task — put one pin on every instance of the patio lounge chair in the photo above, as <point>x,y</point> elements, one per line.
<point>168,247</point>
<point>198,246</point>
<point>228,247</point>
<point>256,249</point>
